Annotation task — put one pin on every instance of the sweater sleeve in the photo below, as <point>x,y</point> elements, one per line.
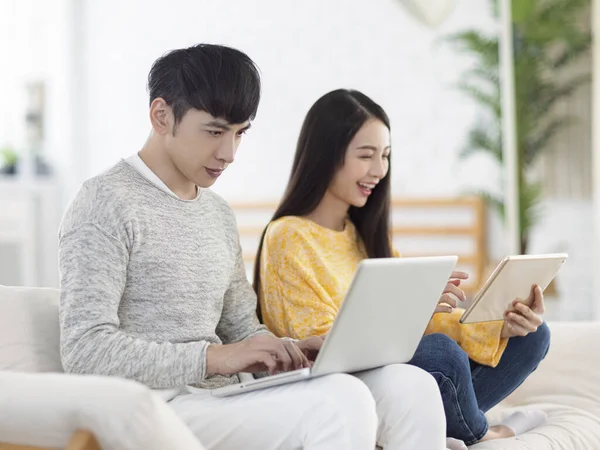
<point>238,319</point>
<point>93,268</point>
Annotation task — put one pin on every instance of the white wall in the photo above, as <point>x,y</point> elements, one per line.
<point>36,43</point>
<point>15,41</point>
<point>567,226</point>
<point>304,49</point>
<point>95,56</point>
<point>35,39</point>
<point>595,244</point>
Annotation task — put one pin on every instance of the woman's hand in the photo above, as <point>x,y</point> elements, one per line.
<point>524,319</point>
<point>452,293</point>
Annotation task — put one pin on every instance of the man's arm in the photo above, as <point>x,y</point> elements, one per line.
<point>238,320</point>
<point>93,271</point>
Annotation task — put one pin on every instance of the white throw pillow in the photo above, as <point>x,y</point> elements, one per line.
<point>29,330</point>
<point>46,410</point>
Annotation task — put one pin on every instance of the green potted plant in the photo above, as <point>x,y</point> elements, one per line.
<point>547,39</point>
<point>9,159</point>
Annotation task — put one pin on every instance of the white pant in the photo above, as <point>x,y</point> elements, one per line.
<point>398,406</point>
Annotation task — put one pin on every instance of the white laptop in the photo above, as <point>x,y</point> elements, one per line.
<point>381,321</point>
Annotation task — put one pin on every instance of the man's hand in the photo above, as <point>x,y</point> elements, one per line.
<point>258,354</point>
<point>524,319</point>
<point>447,301</point>
<point>311,346</point>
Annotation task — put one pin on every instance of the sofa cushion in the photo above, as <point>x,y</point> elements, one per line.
<point>570,372</point>
<point>29,330</point>
<point>45,409</point>
<point>567,428</point>
<point>566,387</point>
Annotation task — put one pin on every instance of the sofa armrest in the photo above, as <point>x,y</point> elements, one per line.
<point>45,410</point>
<point>81,440</point>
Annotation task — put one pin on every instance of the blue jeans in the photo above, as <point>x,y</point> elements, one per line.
<point>470,389</point>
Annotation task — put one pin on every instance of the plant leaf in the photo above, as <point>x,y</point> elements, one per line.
<point>478,44</point>
<point>521,10</point>
<point>536,144</point>
<point>483,138</point>
<point>489,100</point>
<point>572,51</point>
<point>530,211</point>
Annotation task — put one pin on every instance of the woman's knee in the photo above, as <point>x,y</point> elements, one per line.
<point>440,353</point>
<point>539,341</point>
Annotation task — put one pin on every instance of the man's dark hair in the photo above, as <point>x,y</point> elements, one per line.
<point>220,80</point>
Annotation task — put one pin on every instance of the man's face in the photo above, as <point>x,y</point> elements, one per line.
<point>202,146</point>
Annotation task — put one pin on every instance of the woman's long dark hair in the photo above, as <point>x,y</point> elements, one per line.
<point>330,125</point>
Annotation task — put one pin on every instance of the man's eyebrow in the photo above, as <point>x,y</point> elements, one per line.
<point>224,125</point>
<point>218,124</point>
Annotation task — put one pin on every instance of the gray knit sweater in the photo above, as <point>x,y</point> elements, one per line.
<point>148,281</point>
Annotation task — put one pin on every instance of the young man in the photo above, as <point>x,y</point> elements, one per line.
<point>153,286</point>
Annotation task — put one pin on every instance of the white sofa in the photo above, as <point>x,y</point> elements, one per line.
<point>566,385</point>
<point>42,407</point>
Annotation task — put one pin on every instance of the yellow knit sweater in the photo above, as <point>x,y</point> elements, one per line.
<point>306,270</point>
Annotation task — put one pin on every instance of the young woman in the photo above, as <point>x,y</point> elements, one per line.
<point>336,212</point>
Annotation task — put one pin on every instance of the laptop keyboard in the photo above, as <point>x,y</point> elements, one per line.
<point>279,376</point>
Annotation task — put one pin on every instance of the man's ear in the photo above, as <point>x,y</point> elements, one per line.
<point>161,116</point>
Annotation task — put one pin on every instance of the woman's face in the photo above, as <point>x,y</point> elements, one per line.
<point>365,164</point>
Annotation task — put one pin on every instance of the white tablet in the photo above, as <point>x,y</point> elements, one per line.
<point>511,280</point>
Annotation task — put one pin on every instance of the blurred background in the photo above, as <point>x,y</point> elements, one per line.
<point>73,102</point>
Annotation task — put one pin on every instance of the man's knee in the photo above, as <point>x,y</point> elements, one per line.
<point>346,389</point>
<point>408,392</point>
<point>407,381</point>
<point>348,402</point>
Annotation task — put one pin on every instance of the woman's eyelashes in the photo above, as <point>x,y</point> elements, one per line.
<point>372,154</point>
